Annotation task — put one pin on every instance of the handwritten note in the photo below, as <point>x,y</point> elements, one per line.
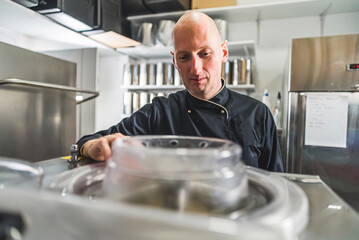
<point>326,120</point>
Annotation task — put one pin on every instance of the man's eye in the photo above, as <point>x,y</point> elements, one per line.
<point>183,57</point>
<point>206,54</point>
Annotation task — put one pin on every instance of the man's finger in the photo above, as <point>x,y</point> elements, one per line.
<point>105,148</point>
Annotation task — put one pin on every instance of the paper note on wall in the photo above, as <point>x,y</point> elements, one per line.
<point>326,120</point>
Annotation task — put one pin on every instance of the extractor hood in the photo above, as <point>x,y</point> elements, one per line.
<point>79,15</point>
<point>140,7</point>
<point>91,17</point>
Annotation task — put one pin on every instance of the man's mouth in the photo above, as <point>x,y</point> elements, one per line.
<point>198,79</point>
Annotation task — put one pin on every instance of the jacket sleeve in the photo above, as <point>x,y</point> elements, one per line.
<point>270,158</point>
<point>137,124</point>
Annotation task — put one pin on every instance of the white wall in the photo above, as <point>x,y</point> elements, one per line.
<point>109,107</point>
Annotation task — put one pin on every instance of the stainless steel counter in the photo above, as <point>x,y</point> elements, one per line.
<point>330,217</point>
<point>75,217</point>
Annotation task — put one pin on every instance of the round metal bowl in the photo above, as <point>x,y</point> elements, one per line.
<point>183,173</point>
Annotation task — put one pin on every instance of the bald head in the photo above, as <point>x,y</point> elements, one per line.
<point>198,54</point>
<point>192,21</point>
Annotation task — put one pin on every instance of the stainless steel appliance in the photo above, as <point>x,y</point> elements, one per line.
<point>323,113</point>
<point>192,175</point>
<point>77,198</point>
<point>37,104</point>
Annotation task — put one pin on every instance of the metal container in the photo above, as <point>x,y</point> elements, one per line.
<point>242,71</point>
<point>159,74</point>
<point>151,74</point>
<point>235,75</point>
<point>222,28</point>
<point>146,34</point>
<point>168,73</point>
<point>134,74</point>
<point>142,74</point>
<point>164,32</point>
<point>248,75</point>
<point>226,72</point>
<point>135,101</point>
<point>183,173</point>
<point>143,98</point>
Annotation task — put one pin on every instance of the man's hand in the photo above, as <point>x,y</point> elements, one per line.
<point>100,149</point>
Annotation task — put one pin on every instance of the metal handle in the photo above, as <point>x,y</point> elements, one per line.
<point>49,86</point>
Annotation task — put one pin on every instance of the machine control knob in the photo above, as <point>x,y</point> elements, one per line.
<point>74,150</point>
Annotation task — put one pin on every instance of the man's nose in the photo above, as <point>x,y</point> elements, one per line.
<point>196,66</point>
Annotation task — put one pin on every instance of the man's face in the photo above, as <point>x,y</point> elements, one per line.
<point>198,58</point>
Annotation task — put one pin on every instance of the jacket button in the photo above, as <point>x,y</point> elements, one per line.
<point>222,111</point>
<point>189,111</point>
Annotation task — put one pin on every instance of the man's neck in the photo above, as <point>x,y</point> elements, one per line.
<point>210,96</point>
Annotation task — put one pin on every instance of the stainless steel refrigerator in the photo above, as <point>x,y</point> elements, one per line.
<point>323,112</point>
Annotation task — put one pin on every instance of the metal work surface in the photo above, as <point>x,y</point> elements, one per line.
<point>329,216</point>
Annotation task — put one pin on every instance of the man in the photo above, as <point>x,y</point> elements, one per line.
<point>206,108</point>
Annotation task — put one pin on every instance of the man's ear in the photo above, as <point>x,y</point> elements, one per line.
<point>173,59</point>
<point>224,49</point>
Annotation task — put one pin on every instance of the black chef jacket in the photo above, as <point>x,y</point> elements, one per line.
<point>227,115</point>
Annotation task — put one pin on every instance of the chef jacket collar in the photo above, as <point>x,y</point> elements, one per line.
<point>220,97</point>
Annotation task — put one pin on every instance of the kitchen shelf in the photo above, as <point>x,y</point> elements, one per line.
<point>236,48</point>
<point>153,88</point>
<point>144,52</point>
<point>265,10</point>
<point>171,88</point>
<point>241,87</point>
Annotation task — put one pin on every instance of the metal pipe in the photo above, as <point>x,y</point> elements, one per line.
<point>50,86</point>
